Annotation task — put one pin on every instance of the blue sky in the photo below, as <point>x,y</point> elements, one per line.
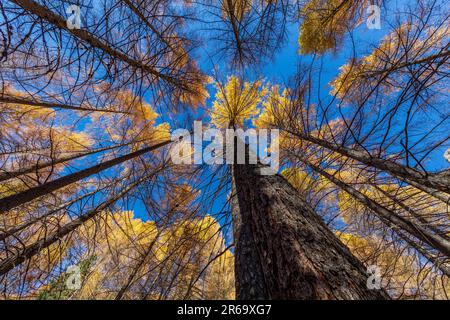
<point>284,65</point>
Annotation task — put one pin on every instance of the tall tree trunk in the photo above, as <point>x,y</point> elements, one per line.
<point>17,228</point>
<point>48,15</point>
<point>387,216</point>
<point>230,7</point>
<point>441,264</point>
<point>136,10</point>
<point>433,192</point>
<point>420,219</point>
<point>35,248</point>
<point>38,166</point>
<point>283,250</point>
<point>52,105</point>
<point>13,201</point>
<point>434,181</point>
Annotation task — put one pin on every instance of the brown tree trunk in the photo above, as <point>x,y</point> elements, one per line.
<point>53,105</point>
<point>33,168</point>
<point>13,230</point>
<point>136,10</point>
<point>35,248</point>
<point>434,181</point>
<point>283,250</point>
<point>48,15</point>
<point>387,216</point>
<point>438,195</point>
<point>441,264</point>
<point>13,201</point>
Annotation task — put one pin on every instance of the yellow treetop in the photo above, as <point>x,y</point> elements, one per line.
<point>389,56</point>
<point>236,102</point>
<point>325,23</point>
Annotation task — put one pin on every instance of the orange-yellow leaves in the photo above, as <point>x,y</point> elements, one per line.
<point>325,23</point>
<point>181,196</point>
<point>274,107</point>
<point>195,92</point>
<point>236,101</point>
<point>299,179</point>
<point>138,122</point>
<point>388,60</point>
<point>401,272</point>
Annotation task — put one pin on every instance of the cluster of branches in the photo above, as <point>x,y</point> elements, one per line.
<point>367,153</point>
<point>80,145</point>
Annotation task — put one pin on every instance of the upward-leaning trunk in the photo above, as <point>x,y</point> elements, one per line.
<point>438,182</point>
<point>52,105</point>
<point>51,17</point>
<point>53,162</point>
<point>283,250</point>
<point>29,251</point>
<point>437,241</point>
<point>15,200</point>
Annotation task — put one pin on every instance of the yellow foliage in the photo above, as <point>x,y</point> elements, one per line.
<point>236,8</point>
<point>389,55</point>
<point>401,273</point>
<point>325,22</point>
<point>175,254</point>
<point>236,102</point>
<point>181,196</point>
<point>161,132</point>
<point>299,179</point>
<point>274,107</point>
<point>194,92</point>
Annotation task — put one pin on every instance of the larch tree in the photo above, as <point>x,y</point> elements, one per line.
<point>283,249</point>
<point>88,178</point>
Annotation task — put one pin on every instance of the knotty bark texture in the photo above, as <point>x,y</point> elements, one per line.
<point>283,250</point>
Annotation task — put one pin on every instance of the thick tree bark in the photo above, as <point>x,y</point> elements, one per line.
<point>284,250</point>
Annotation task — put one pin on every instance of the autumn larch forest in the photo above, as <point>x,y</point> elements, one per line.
<point>99,199</point>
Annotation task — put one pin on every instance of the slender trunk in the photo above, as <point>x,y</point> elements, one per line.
<point>35,248</point>
<point>392,219</point>
<point>53,105</point>
<point>46,14</point>
<point>432,192</point>
<point>437,182</point>
<point>14,174</point>
<point>234,24</point>
<point>443,54</point>
<point>23,197</point>
<point>14,230</point>
<point>420,219</point>
<point>441,265</point>
<point>283,250</point>
<point>136,11</point>
<point>126,286</point>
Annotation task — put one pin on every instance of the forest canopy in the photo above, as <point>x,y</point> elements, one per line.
<point>93,205</point>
